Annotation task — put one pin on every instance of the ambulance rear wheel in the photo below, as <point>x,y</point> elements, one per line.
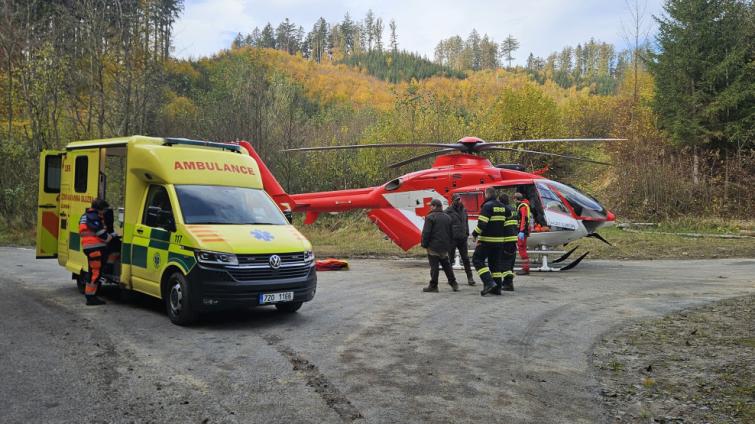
<point>288,307</point>
<point>81,281</point>
<point>178,300</point>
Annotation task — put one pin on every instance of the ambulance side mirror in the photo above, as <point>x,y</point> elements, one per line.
<point>289,216</point>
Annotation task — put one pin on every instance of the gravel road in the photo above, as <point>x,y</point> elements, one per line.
<point>370,348</point>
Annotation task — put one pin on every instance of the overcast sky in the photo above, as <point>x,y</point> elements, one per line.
<point>541,26</point>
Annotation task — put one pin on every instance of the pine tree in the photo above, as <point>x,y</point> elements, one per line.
<point>704,73</point>
<point>394,37</point>
<point>378,34</point>
<point>267,37</point>
<point>369,29</point>
<point>508,47</point>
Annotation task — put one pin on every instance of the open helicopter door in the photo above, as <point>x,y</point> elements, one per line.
<point>553,225</point>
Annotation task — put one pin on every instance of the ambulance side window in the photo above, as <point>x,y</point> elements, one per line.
<point>52,174</point>
<point>80,174</point>
<point>157,209</point>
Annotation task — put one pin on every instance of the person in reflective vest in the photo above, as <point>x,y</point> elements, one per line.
<point>523,210</point>
<point>508,252</point>
<point>489,239</point>
<point>94,240</point>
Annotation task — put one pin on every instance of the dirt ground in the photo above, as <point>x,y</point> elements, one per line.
<point>692,366</point>
<point>369,348</point>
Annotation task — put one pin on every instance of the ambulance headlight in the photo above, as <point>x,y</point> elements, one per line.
<point>309,256</point>
<point>215,258</point>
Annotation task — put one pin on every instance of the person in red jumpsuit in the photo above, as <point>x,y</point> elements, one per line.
<point>523,209</point>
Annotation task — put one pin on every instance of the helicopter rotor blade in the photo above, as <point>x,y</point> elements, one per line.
<point>490,144</point>
<point>509,149</point>
<point>369,146</point>
<point>416,158</point>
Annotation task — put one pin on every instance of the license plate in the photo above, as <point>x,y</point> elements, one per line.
<point>276,297</point>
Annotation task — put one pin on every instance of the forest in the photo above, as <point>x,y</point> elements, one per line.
<point>685,101</point>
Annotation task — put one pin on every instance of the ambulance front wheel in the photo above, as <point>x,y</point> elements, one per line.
<point>178,300</point>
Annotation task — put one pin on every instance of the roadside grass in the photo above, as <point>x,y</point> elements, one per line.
<point>352,235</point>
<point>16,235</point>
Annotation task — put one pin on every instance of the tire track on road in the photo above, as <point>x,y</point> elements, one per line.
<point>333,397</point>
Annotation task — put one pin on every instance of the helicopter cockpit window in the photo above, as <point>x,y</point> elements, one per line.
<point>582,204</point>
<point>550,201</point>
<point>393,184</point>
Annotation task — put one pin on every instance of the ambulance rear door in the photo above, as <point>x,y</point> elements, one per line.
<point>79,185</point>
<point>48,203</point>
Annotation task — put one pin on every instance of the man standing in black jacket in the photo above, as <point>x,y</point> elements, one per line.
<point>460,232</point>
<point>437,239</point>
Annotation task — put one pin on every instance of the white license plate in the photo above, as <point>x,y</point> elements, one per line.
<point>276,297</point>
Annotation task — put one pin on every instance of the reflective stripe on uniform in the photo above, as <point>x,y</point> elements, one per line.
<point>483,270</point>
<point>498,275</point>
<point>509,239</point>
<point>498,218</point>
<point>491,239</point>
<point>507,274</point>
<point>483,218</point>
<point>510,222</point>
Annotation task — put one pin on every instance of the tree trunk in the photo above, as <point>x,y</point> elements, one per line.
<point>695,166</point>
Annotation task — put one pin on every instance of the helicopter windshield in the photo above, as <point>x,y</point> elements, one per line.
<point>550,200</point>
<point>584,206</point>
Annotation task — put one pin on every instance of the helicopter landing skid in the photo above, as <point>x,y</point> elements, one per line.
<point>544,253</point>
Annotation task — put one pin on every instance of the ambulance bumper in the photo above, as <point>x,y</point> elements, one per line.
<point>218,288</point>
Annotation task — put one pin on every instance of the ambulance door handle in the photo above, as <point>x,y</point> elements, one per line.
<point>63,214</point>
<point>140,231</point>
<point>48,206</point>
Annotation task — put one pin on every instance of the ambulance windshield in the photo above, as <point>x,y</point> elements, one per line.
<point>205,204</point>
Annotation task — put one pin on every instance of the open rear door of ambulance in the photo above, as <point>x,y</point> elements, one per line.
<point>48,203</point>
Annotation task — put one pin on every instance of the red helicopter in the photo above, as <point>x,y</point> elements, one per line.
<point>561,213</point>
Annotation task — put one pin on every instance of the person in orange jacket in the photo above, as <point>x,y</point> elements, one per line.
<point>523,209</point>
<point>94,242</point>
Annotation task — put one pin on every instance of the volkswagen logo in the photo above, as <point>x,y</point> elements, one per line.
<point>275,261</point>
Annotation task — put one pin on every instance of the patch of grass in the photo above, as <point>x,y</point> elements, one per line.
<point>354,235</point>
<point>650,245</point>
<point>616,366</point>
<point>17,235</point>
<point>350,235</point>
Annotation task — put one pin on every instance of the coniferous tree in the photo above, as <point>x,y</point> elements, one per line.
<point>704,72</point>
<point>508,47</point>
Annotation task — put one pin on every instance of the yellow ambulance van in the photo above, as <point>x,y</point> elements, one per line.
<point>197,229</point>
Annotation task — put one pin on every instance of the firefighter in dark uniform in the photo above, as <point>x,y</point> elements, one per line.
<point>437,237</point>
<point>489,238</point>
<point>523,211</point>
<point>94,242</point>
<point>508,253</point>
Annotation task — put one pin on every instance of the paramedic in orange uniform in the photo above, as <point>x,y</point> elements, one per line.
<point>523,209</point>
<point>94,241</point>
